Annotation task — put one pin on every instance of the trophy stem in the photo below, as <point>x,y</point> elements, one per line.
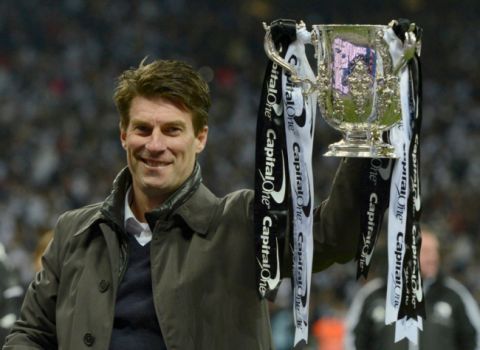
<point>360,145</point>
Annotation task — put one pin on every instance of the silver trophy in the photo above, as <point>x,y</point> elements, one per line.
<point>357,83</point>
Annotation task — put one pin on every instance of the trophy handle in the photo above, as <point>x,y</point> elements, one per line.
<point>411,46</point>
<point>307,85</point>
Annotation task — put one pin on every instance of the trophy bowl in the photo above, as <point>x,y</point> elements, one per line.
<point>357,85</point>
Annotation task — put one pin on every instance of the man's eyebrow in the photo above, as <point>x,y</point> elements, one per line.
<point>175,124</point>
<point>138,122</point>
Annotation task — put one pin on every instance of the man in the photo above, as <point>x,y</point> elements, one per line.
<point>453,318</point>
<point>163,263</point>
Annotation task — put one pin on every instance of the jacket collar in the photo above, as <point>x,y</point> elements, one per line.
<point>192,202</point>
<point>95,218</point>
<point>199,211</point>
<point>112,207</point>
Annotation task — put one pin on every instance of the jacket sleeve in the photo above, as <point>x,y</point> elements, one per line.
<point>35,328</point>
<point>357,332</point>
<point>467,318</point>
<point>336,222</point>
<point>360,331</point>
<point>336,227</point>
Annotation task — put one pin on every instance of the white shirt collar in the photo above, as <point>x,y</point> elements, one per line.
<point>140,230</point>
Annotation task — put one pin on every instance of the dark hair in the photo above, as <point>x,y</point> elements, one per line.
<point>172,80</point>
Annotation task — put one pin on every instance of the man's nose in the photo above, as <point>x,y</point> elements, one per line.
<point>156,142</point>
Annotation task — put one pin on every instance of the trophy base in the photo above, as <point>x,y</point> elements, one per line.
<point>361,150</point>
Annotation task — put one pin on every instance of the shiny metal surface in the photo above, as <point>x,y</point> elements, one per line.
<point>357,85</point>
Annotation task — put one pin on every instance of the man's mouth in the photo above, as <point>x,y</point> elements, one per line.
<point>155,163</point>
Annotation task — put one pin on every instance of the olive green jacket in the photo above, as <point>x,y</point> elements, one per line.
<point>203,270</point>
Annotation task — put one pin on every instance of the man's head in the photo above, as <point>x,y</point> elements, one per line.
<point>163,108</point>
<point>429,254</point>
<point>174,81</point>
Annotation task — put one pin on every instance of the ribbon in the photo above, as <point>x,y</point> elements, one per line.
<point>271,178</point>
<point>300,111</point>
<point>286,121</point>
<point>375,195</point>
<point>405,302</point>
<point>399,190</point>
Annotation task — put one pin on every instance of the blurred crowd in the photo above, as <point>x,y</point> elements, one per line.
<point>59,128</point>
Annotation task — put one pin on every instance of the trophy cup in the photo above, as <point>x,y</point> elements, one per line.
<point>357,83</point>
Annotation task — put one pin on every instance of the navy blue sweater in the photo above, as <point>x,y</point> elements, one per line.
<point>135,324</point>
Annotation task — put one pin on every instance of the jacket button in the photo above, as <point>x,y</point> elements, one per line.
<point>103,286</point>
<point>88,339</point>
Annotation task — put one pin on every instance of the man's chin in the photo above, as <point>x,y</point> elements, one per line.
<point>155,188</point>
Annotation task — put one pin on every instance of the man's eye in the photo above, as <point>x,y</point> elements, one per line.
<point>173,130</point>
<point>142,129</point>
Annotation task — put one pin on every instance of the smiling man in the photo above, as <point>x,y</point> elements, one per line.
<point>161,146</point>
<point>163,263</point>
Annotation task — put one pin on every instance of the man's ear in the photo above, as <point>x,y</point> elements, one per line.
<point>201,139</point>
<point>123,138</point>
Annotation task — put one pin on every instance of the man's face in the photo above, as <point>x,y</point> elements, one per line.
<point>429,255</point>
<point>161,146</point>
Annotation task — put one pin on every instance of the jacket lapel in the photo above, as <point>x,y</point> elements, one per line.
<point>200,210</point>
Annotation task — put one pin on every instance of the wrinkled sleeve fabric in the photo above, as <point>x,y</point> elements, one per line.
<point>337,220</point>
<point>336,226</point>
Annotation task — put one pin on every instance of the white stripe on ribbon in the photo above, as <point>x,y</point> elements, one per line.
<point>299,113</point>
<point>400,137</point>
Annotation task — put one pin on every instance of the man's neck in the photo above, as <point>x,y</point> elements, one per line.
<point>141,204</point>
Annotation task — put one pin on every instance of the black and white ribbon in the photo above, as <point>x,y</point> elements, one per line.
<point>284,178</point>
<point>399,190</point>
<point>374,201</point>
<point>271,206</point>
<point>404,302</point>
<point>300,111</point>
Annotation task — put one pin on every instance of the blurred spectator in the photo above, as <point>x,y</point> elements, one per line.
<point>330,332</point>
<point>12,292</point>
<point>11,295</point>
<point>452,319</point>
<point>281,317</point>
<point>42,244</point>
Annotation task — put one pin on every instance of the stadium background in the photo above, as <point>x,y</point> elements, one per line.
<point>58,126</point>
